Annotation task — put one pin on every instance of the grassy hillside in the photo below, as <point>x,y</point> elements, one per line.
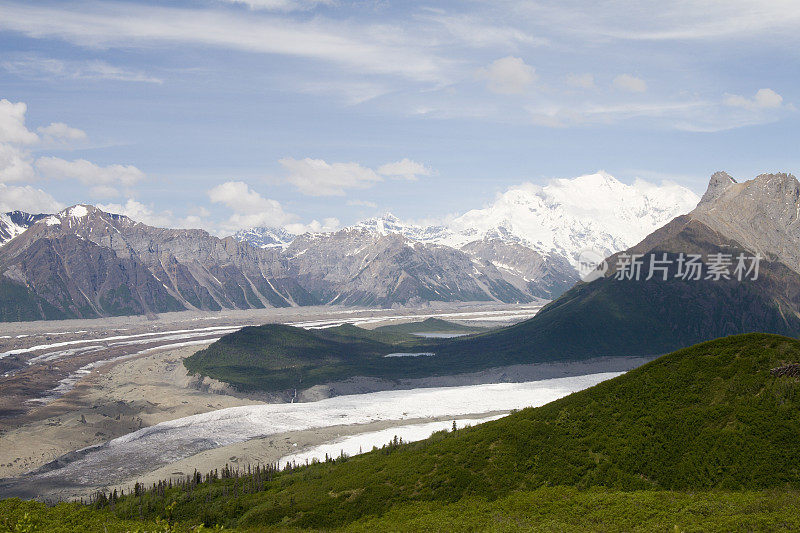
<point>429,325</point>
<point>276,357</point>
<point>722,415</point>
<point>547,509</point>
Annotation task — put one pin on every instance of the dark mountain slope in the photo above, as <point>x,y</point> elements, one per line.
<point>430,325</point>
<point>627,317</point>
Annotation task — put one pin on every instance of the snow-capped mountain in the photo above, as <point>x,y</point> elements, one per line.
<point>85,262</point>
<point>567,216</point>
<point>388,224</point>
<point>533,234</point>
<point>562,218</point>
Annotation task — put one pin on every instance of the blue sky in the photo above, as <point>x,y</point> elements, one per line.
<point>224,114</point>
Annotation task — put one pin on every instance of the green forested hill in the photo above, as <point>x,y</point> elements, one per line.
<point>722,415</point>
<point>430,325</point>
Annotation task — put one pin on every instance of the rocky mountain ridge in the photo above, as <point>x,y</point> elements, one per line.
<point>83,262</point>
<point>531,234</point>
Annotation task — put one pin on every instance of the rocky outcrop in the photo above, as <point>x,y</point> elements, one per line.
<point>358,266</point>
<point>87,263</point>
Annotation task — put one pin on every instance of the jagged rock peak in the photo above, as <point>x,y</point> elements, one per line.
<point>782,179</point>
<point>718,183</point>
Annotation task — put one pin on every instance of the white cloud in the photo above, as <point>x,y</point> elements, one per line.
<point>582,81</point>
<point>75,70</point>
<point>362,203</point>
<point>671,112</point>
<point>249,208</point>
<point>15,141</point>
<point>406,169</point>
<point>60,133</point>
<point>282,5</point>
<point>102,181</point>
<point>476,31</point>
<point>147,214</point>
<point>15,164</point>
<point>316,177</point>
<point>27,199</point>
<point>627,82</point>
<point>12,124</point>
<point>508,75</point>
<point>139,212</point>
<point>326,226</point>
<point>688,115</point>
<point>763,99</point>
<point>656,20</point>
<point>366,49</point>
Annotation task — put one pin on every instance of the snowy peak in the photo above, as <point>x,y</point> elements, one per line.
<point>385,224</point>
<point>266,237</point>
<point>567,216</point>
<point>15,223</point>
<point>559,219</point>
<point>84,216</point>
<point>389,224</point>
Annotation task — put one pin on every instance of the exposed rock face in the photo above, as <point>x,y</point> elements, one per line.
<point>762,214</point>
<point>532,235</point>
<point>545,277</point>
<point>265,237</point>
<point>358,266</point>
<point>83,262</point>
<point>717,185</point>
<point>86,262</point>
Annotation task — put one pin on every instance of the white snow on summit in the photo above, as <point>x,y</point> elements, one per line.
<point>567,216</point>
<point>388,223</point>
<point>8,228</point>
<point>561,218</point>
<point>265,237</point>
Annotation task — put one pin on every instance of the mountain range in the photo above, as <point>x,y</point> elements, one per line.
<point>617,314</point>
<point>83,262</point>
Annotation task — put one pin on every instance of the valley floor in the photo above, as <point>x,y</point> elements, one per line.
<point>145,383</point>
